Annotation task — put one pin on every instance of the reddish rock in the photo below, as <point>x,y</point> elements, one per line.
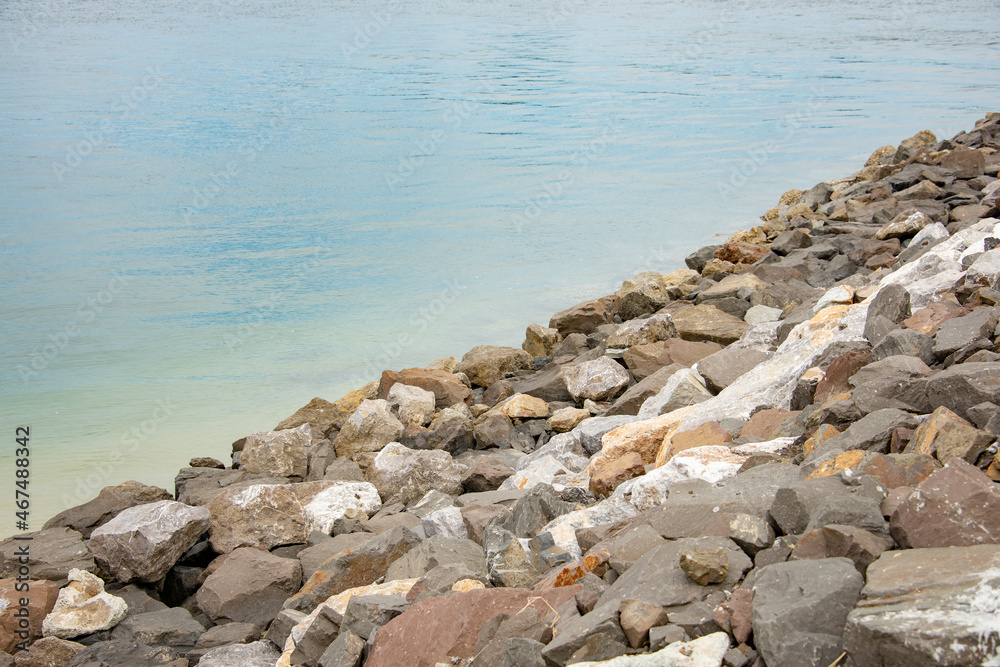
<point>835,380</point>
<point>585,317</point>
<point>955,506</point>
<point>447,388</point>
<point>41,595</point>
<point>823,433</point>
<point>927,320</point>
<point>836,541</point>
<point>486,474</point>
<point>606,477</point>
<point>637,617</point>
<point>436,630</point>
<point>741,253</point>
<point>708,434</point>
<point>945,436</point>
<point>764,423</point>
<point>893,471</point>
<point>735,615</point>
<point>595,562</point>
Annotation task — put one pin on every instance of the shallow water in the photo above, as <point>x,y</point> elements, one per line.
<point>212,214</point>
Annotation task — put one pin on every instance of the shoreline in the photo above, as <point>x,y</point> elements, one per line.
<point>812,384</point>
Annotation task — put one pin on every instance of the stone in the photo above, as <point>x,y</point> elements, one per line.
<point>485,474</point>
<point>46,652</point>
<point>985,270</point>
<point>438,629</point>
<point>590,432</point>
<point>741,253</point>
<point>527,624</point>
<point>764,424</point>
<point>905,342</point>
<point>446,522</point>
<point>254,654</point>
<point>53,554</point>
<point>871,432</point>
<point>960,332</point>
<point>448,389</point>
<point>709,434</point>
<point>539,341</point>
<point>600,380</point>
<point>108,503</point>
<point>710,464</point>
<point>892,304</point>
<point>370,428</point>
<point>707,323</point>
<point>739,286</point>
<point>320,414</point>
<point>707,651</point>
<point>486,364</point>
<point>283,453</point>
<point>173,627</point>
<point>367,613</point>
<point>222,635</point>
<point>685,388</point>
<point>838,374</point>
<point>752,533</point>
<point>927,606</point>
<point>735,615</point>
<point>965,162</point>
<point>945,436</point>
<point>644,293</point>
<point>117,653</point>
<point>41,597</point>
<point>761,315</point>
<point>249,586</point>
<point>566,419</point>
<point>963,386</point>
<point>652,329</point>
<point>351,500</point>
<point>313,557</point>
<point>345,651</point>
<point>904,225</point>
<point>896,382</point>
<point>523,406</point>
<point>361,566</point>
<point>83,607</point>
<point>837,541</point>
<point>606,478</point>
<point>725,367</point>
<point>206,462</point>
<point>411,405</point>
<point>476,517</point>
<point>493,430</point>
<point>705,566</point>
<point>813,503</point>
<point>637,618</point>
<point>644,360</point>
<point>800,609</point>
<point>585,317</point>
<point>564,528</point>
<point>409,474</point>
<point>141,543</point>
<point>955,506</point>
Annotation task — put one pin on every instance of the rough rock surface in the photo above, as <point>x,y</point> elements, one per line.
<point>408,474</point>
<point>82,608</point>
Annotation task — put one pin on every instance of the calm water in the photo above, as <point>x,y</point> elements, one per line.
<point>213,213</point>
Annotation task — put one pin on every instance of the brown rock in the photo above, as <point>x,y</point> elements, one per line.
<point>539,341</point>
<point>637,617</point>
<point>584,318</point>
<point>48,652</point>
<point>705,566</point>
<point>835,541</point>
<point>741,253</point>
<point>967,162</point>
<point>447,387</point>
<point>567,419</point>
<point>644,360</point>
<point>41,596</point>
<point>249,586</point>
<point>476,517</point>
<point>439,629</point>
<point>735,615</point>
<point>835,380</point>
<point>321,415</point>
<point>765,422</point>
<point>823,433</point>
<point>708,434</point>
<point>928,319</point>
<point>206,462</point>
<point>108,503</point>
<point>486,474</point>
<point>485,364</point>
<point>522,406</point>
<point>605,478</point>
<point>955,506</point>
<point>945,436</point>
<point>708,323</point>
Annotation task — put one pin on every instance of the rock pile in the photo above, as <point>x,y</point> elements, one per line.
<point>783,454</point>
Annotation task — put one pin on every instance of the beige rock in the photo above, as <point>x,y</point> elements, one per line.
<point>369,429</point>
<point>411,405</point>
<point>599,380</point>
<point>708,323</point>
<point>642,331</point>
<point>791,197</point>
<point>522,406</point>
<point>715,266</point>
<point>705,566</point>
<point>539,341</point>
<point>283,453</point>
<point>83,607</point>
<point>485,364</point>
<point>448,388</point>
<point>945,435</point>
<point>566,419</point>
<point>609,475</point>
<point>644,437</point>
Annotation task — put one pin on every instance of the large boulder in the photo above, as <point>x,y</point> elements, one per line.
<point>108,503</point>
<point>643,293</point>
<point>448,389</point>
<point>53,554</point>
<point>83,608</point>
<point>409,474</point>
<point>369,429</point>
<point>708,323</point>
<point>643,331</point>
<point>41,597</point>
<point>599,380</point>
<point>166,627</point>
<point>584,318</point>
<point>412,405</point>
<point>800,609</point>
<point>351,500</point>
<point>284,453</point>
<point>486,364</point>
<point>120,653</point>
<point>644,360</point>
<point>254,654</point>
<point>928,607</point>
<point>249,586</point>
<point>142,543</point>
<point>539,341</point>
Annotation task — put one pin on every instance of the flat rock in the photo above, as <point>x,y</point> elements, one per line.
<point>448,389</point>
<point>117,653</point>
<point>814,503</point>
<point>108,503</point>
<point>725,367</point>
<point>963,386</point>
<point>644,360</point>
<point>945,435</point>
<point>435,551</point>
<point>485,474</point>
<point>707,323</point>
<point>523,406</point>
<point>566,419</point>
<point>249,586</point>
<point>643,293</point>
<point>254,654</point>
<point>584,318</point>
<point>486,364</point>
<point>410,474</point>
<point>168,627</point>
<point>800,609</point>
<point>684,388</point>
<point>837,541</point>
<point>53,554</point>
<point>46,652</point>
<point>141,543</point>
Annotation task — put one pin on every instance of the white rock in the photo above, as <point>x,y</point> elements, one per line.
<point>590,431</point>
<point>565,448</point>
<point>760,314</point>
<point>904,227</point>
<point>446,522</point>
<point>711,464</point>
<point>707,651</point>
<point>412,405</point>
<point>352,500</point>
<point>284,453</point>
<point>835,296</point>
<point>255,654</point>
<point>599,380</point>
<point>539,471</point>
<point>412,473</point>
<point>641,331</point>
<point>985,270</point>
<point>767,447</point>
<point>563,528</point>
<point>684,388</point>
<point>83,607</point>
<point>143,542</point>
<point>370,427</point>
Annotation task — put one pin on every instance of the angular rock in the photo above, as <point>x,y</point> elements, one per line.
<point>904,225</point>
<point>485,474</point>
<point>410,474</point>
<point>684,388</point>
<point>726,366</point>
<point>283,453</point>
<point>741,253</point>
<point>563,528</point>
<point>955,506</point>
<point>643,293</point>
<point>945,436</point>
<point>638,617</point>
<point>47,652</point>
<point>41,597</point>
<point>435,551</point>
<point>493,430</point>
<point>644,360</point>
<point>707,323</point>
<point>83,607</point>
<point>764,424</point>
<point>143,542</point>
<point>447,387</point>
<point>896,382</point>
<point>345,651</point>
<point>566,419</point>
<point>836,541</point>
<point>836,380</point>
<point>599,380</point>
<point>963,386</point>
<point>321,415</point>
<point>118,653</point>
<point>370,428</point>
<point>173,627</point>
<point>652,329</point>
<point>539,341</point>
<point>871,432</point>
<point>814,503</point>
<point>523,406</point>
<point>705,566</point>
<point>249,586</point>
<point>411,405</point>
<point>961,332</point>
<point>486,364</point>
<point>53,554</point>
<point>606,478</point>
<point>905,342</point>
<point>800,609</point>
<point>351,500</point>
<point>254,654</point>
<point>108,503</point>
<point>584,318</point>
<point>889,307</point>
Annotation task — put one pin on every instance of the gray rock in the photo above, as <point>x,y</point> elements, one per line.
<point>548,384</point>
<point>409,474</point>
<point>249,586</point>
<point>411,405</point>
<point>725,367</point>
<point>871,432</point>
<point>520,652</point>
<point>283,453</point>
<point>590,431</point>
<point>317,637</point>
<point>168,627</point>
<point>53,553</point>
<point>486,364</point>
<point>493,430</point>
<point>699,258</point>
<point>281,626</point>
<point>600,380</point>
<point>631,401</point>
<point>960,332</point>
<point>256,654</point>
<point>928,607</point>
<point>436,551</point>
<point>142,543</point>
<point>790,240</point>
<point>814,503</point>
<point>684,388</point>
<point>445,522</point>
<point>108,503</point>
<point>641,331</point>
<point>366,613</point>
<point>345,651</point>
<point>800,609</point>
<point>962,386</point>
<point>533,511</point>
<point>892,303</point>
<point>486,474</point>
<point>370,427</point>
<point>509,559</point>
<point>574,632</point>
<point>137,599</point>
<point>223,635</point>
<point>312,558</point>
<point>925,239</point>
<point>893,382</point>
<point>117,653</point>
<point>905,342</point>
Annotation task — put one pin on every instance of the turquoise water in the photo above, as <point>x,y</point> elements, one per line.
<point>211,214</point>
